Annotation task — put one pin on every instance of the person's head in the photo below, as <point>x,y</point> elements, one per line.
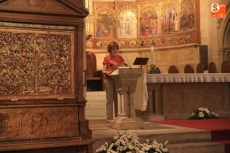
<point>113,47</point>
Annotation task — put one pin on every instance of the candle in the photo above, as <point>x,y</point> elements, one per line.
<point>152,55</point>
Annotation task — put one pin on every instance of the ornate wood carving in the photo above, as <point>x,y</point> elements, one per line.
<point>29,124</point>
<point>36,64</point>
<point>41,85</point>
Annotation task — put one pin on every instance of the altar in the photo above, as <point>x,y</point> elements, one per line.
<point>175,96</point>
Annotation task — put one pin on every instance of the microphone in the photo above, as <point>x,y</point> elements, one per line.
<point>126,58</point>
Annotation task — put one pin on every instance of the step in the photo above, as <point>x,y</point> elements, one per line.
<point>96,96</point>
<point>196,147</point>
<point>181,139</point>
<point>96,105</point>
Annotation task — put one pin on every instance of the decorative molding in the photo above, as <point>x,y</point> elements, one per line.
<point>183,78</point>
<point>37,26</point>
<point>160,41</point>
<point>37,3</point>
<point>32,124</point>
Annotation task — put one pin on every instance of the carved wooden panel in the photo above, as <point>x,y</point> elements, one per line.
<point>38,124</point>
<point>36,64</point>
<point>41,66</point>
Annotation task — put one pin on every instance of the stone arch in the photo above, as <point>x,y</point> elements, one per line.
<point>225,30</point>
<point>224,36</point>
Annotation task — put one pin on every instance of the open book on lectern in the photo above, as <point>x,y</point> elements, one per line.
<point>138,61</point>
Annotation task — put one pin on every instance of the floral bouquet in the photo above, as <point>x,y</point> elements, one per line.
<point>127,142</point>
<point>202,113</point>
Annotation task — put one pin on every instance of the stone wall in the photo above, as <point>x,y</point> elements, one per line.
<point>164,57</point>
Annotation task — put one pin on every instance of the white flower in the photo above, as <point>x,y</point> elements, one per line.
<point>111,145</point>
<point>201,114</point>
<point>207,110</point>
<point>115,137</point>
<point>124,141</point>
<point>158,151</point>
<point>201,109</point>
<point>130,146</point>
<point>164,149</point>
<point>117,143</point>
<point>214,114</point>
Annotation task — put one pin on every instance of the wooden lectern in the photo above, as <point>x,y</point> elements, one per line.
<point>126,80</point>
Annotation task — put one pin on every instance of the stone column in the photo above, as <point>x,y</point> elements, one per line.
<point>124,101</point>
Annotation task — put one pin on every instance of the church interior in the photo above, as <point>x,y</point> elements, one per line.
<point>52,97</point>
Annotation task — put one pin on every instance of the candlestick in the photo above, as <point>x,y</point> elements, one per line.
<point>152,55</point>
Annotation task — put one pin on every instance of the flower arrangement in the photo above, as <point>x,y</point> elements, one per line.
<point>154,69</point>
<point>202,113</point>
<point>127,142</point>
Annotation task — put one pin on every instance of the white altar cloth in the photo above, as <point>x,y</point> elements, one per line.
<point>188,77</point>
<point>141,94</point>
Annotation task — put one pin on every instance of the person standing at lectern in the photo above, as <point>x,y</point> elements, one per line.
<point>110,63</point>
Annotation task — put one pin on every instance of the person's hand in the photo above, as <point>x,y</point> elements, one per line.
<point>123,64</point>
<point>113,64</point>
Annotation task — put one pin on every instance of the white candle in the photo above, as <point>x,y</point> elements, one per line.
<point>152,55</point>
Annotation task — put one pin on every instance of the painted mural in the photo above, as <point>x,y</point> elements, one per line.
<point>105,25</point>
<point>127,24</point>
<point>187,17</point>
<point>169,19</point>
<point>149,22</point>
<point>166,22</point>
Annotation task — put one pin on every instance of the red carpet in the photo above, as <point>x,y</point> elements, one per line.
<point>209,124</point>
<point>220,128</point>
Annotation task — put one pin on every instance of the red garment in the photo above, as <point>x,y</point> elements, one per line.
<point>109,62</point>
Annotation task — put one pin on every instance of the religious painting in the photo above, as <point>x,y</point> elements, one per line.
<point>169,19</point>
<point>36,64</point>
<point>127,24</point>
<point>105,25</point>
<point>187,17</point>
<point>148,22</point>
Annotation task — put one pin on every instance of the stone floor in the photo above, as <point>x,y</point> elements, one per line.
<point>181,139</point>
